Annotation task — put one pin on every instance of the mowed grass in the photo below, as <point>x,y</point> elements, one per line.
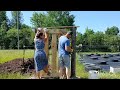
<point>7,55</point>
<point>107,75</point>
<point>14,76</point>
<point>80,69</point>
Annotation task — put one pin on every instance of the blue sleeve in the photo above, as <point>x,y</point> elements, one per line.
<point>67,43</point>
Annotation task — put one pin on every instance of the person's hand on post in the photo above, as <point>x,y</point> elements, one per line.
<point>71,50</point>
<point>39,30</point>
<point>45,30</point>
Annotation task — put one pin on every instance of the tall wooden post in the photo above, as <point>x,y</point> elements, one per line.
<point>54,54</point>
<point>47,46</point>
<point>73,55</point>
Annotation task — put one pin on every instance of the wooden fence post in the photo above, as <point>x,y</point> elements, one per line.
<point>54,54</point>
<point>73,55</point>
<point>47,46</point>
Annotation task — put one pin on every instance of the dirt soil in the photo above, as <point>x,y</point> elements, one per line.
<point>17,65</point>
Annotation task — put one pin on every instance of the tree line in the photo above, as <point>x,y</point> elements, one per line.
<point>108,41</point>
<point>90,40</point>
<point>9,31</point>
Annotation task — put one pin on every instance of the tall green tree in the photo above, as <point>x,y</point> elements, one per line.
<point>26,37</point>
<point>112,31</point>
<point>86,35</point>
<point>16,15</point>
<point>38,19</point>
<point>3,16</point>
<point>99,38</point>
<point>2,39</point>
<point>62,18</point>
<point>79,38</point>
<point>12,39</point>
<point>52,18</point>
<point>4,19</point>
<point>25,26</point>
<point>3,27</point>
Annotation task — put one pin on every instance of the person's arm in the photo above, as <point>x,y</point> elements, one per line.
<point>34,43</point>
<point>67,46</point>
<point>46,37</point>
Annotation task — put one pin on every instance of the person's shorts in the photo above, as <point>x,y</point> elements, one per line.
<point>64,61</point>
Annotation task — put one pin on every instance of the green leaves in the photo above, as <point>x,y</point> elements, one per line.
<point>16,15</point>
<point>52,18</point>
<point>112,31</point>
<point>26,37</point>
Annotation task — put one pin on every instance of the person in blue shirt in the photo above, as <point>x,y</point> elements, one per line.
<point>64,50</point>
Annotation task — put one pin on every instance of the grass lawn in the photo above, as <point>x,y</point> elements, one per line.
<point>7,55</point>
<point>80,71</point>
<point>14,76</point>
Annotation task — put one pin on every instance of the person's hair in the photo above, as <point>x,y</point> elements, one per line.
<point>38,35</point>
<point>70,32</point>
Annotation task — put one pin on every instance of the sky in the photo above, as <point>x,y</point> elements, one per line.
<point>95,20</point>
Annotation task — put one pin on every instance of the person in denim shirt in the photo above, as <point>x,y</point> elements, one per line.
<point>40,59</point>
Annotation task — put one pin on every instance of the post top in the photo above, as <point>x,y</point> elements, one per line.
<point>58,27</point>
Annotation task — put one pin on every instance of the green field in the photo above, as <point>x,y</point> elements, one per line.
<point>7,55</point>
<point>14,76</point>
